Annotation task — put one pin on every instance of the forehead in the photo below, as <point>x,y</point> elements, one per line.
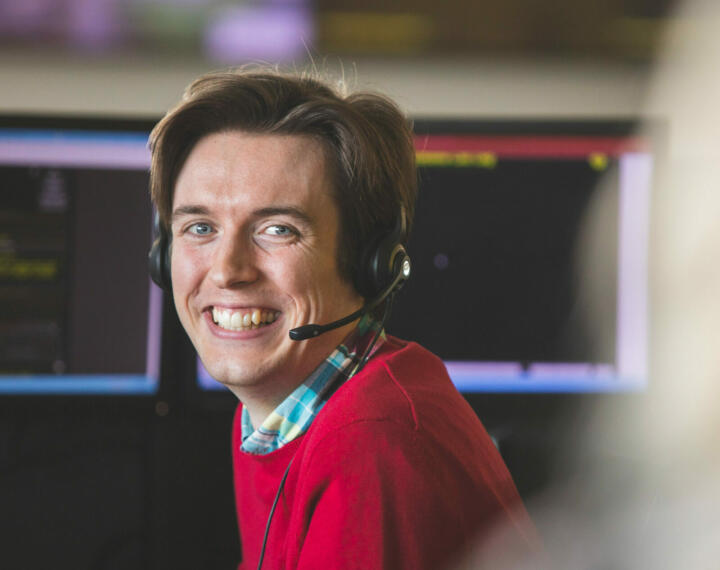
<point>235,168</point>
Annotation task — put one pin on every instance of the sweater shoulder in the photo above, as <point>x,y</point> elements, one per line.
<point>403,383</point>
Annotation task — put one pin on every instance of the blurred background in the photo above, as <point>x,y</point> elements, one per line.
<point>615,99</point>
<point>440,58</point>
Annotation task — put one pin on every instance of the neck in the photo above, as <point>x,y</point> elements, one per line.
<point>258,412</point>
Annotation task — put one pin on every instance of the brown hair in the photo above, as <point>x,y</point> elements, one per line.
<point>366,137</point>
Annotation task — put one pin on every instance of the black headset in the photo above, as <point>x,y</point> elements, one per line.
<point>383,269</point>
<point>382,260</point>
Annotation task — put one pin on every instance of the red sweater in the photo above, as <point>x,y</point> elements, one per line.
<point>395,472</point>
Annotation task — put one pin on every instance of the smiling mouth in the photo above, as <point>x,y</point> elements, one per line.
<point>244,319</point>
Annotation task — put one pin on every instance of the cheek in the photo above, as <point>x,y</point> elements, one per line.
<point>291,274</point>
<point>326,285</point>
<point>303,277</point>
<point>185,268</point>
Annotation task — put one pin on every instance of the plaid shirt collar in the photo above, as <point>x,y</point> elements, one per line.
<point>293,416</point>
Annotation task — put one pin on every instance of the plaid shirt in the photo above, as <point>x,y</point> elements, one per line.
<point>293,416</point>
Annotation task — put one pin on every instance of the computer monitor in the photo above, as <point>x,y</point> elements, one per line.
<point>529,255</point>
<point>78,313</point>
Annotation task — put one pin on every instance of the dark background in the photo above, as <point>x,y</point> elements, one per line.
<point>494,272</point>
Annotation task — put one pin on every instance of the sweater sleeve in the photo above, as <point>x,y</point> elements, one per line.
<point>376,495</point>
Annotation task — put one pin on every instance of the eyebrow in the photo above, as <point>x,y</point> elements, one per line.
<point>195,210</point>
<point>189,211</point>
<point>291,211</point>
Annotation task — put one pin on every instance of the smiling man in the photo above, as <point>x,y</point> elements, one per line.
<point>254,232</point>
<point>284,203</point>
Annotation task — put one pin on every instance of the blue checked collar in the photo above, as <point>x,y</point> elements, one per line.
<point>293,416</point>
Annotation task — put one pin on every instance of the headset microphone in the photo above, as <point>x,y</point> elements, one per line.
<point>401,275</point>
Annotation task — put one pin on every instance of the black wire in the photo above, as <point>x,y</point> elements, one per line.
<point>363,362</point>
<point>272,512</point>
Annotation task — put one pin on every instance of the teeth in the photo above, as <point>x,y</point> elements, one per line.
<point>243,320</point>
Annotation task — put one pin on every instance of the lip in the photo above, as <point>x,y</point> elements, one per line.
<point>220,332</point>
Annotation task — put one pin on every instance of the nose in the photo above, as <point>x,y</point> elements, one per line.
<point>233,261</point>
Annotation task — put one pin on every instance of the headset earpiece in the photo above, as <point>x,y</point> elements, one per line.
<point>159,256</point>
<point>383,261</point>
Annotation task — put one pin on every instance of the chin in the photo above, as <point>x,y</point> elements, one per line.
<point>229,374</point>
<point>234,374</point>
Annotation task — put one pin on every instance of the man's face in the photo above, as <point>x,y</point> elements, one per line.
<point>254,244</point>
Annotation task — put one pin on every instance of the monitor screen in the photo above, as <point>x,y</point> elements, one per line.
<point>529,252</point>
<point>78,313</point>
<point>529,255</point>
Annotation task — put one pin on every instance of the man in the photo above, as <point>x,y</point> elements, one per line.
<point>284,203</point>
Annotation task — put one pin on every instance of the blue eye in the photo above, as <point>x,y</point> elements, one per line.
<point>200,229</point>
<point>278,230</point>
